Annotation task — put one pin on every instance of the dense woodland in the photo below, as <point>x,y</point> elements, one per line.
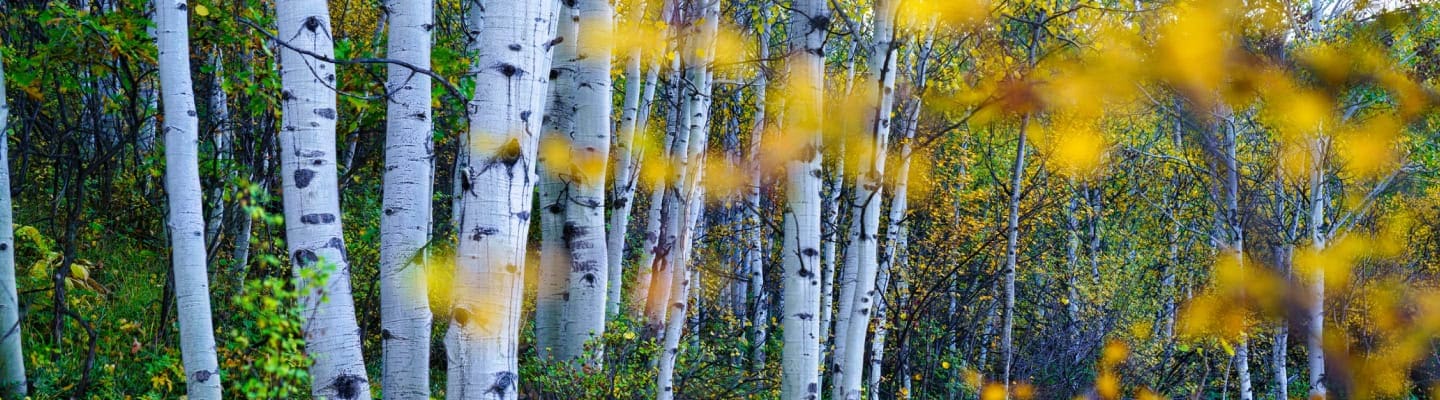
<point>720,199</point>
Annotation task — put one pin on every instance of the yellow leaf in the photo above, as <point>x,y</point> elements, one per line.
<point>201,10</point>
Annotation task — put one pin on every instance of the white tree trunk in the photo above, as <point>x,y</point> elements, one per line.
<point>674,325</point>
<point>800,365</point>
<point>511,76</point>
<point>584,199</point>
<point>1012,245</point>
<point>691,195</point>
<point>1229,220</point>
<point>622,199</point>
<point>187,219</point>
<point>862,255</point>
<point>312,201</point>
<point>405,319</point>
<point>663,271</point>
<point>877,343</point>
<point>558,130</point>
<point>658,236</point>
<point>654,225</point>
<point>754,237</point>
<point>1315,310</point>
<point>12,358</point>
<point>830,249</point>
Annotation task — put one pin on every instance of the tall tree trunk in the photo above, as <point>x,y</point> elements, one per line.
<point>1283,259</point>
<point>754,237</point>
<point>829,248</point>
<point>809,24</point>
<point>1012,245</point>
<point>838,272</point>
<point>622,197</point>
<point>505,115</point>
<point>659,237</point>
<point>12,358</point>
<point>1233,231</point>
<point>690,197</point>
<point>670,348</point>
<point>312,201</point>
<point>1315,303</point>
<point>405,319</point>
<point>558,129</point>
<point>584,199</point>
<point>862,255</point>
<point>187,215</point>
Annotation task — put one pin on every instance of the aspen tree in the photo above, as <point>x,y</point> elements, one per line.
<point>405,319</point>
<point>312,200</point>
<point>182,188</point>
<point>511,78</point>
<point>800,364</point>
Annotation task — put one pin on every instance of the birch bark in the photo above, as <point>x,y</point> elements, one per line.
<point>622,198</point>
<point>800,365</point>
<point>584,199</point>
<point>862,254</point>
<point>12,358</point>
<point>558,128</point>
<point>511,76</point>
<point>754,238</point>
<point>312,201</point>
<point>186,219</point>
<point>405,319</point>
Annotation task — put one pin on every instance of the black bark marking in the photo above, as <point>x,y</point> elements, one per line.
<point>553,42</point>
<point>4,246</point>
<point>338,244</point>
<point>312,23</point>
<point>386,335</point>
<point>525,116</point>
<point>389,211</point>
<point>820,22</point>
<point>303,177</point>
<point>589,280</point>
<point>203,375</point>
<point>347,386</point>
<point>515,47</point>
<point>809,252</point>
<point>555,208</point>
<point>326,113</point>
<point>523,216</point>
<point>503,382</point>
<point>312,219</point>
<point>813,388</point>
<point>509,70</point>
<point>286,96</point>
<point>191,113</point>
<point>305,258</point>
<point>805,316</point>
<point>805,273</point>
<point>554,73</point>
<point>480,232</point>
<point>428,27</point>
